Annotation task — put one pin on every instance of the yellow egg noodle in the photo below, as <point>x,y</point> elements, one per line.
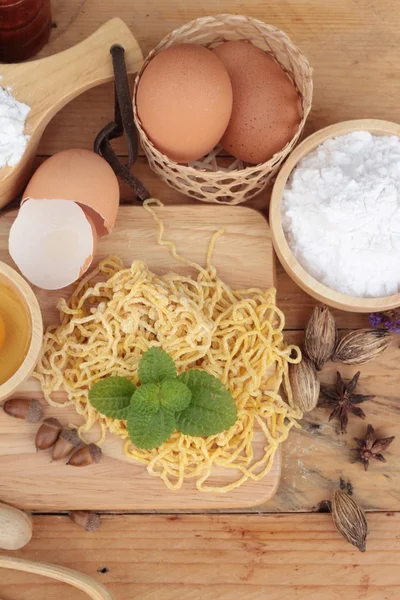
<point>235,335</point>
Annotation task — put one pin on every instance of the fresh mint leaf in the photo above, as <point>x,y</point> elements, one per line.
<point>112,397</point>
<point>175,395</point>
<point>155,366</point>
<point>148,431</point>
<point>146,399</point>
<point>211,409</point>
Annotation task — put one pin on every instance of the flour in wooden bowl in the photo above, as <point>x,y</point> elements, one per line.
<point>341,214</point>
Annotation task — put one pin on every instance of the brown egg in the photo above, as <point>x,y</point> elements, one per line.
<point>81,176</point>
<point>184,101</point>
<point>266,110</point>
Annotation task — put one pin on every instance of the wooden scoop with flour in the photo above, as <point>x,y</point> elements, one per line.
<point>48,84</point>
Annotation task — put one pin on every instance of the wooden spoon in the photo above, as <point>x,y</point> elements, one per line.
<point>48,84</point>
<point>15,528</point>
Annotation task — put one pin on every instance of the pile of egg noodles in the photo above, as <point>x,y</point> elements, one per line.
<point>115,314</point>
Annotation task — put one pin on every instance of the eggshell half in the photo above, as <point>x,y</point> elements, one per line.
<point>83,177</point>
<point>266,111</point>
<point>184,101</point>
<point>89,259</point>
<point>52,242</point>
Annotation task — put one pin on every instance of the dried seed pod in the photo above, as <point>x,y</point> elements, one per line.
<point>350,520</point>
<point>305,384</point>
<point>24,408</point>
<point>86,519</point>
<point>68,440</point>
<point>359,347</point>
<point>47,433</point>
<point>86,456</point>
<point>320,336</point>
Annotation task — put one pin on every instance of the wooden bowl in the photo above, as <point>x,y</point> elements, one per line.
<point>11,279</point>
<point>303,279</point>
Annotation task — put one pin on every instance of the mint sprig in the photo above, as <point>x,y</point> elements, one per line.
<point>174,395</point>
<point>151,430</point>
<point>212,408</point>
<point>155,366</point>
<point>112,397</point>
<point>195,403</point>
<point>146,399</point>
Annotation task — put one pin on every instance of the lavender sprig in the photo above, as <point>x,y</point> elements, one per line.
<point>389,320</point>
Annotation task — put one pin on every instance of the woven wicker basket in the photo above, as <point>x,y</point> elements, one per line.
<point>235,182</point>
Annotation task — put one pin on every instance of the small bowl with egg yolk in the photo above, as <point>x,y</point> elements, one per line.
<point>21,330</point>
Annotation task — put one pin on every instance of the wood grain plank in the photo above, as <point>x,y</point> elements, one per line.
<point>353,47</point>
<point>157,557</point>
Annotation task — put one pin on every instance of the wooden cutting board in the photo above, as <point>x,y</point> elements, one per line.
<point>244,258</point>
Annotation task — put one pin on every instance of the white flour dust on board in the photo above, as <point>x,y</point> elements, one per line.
<point>341,214</point>
<point>12,128</point>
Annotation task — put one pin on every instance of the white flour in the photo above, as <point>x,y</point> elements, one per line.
<point>341,214</point>
<point>12,124</point>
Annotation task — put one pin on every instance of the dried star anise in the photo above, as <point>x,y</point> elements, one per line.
<point>343,400</point>
<point>371,447</point>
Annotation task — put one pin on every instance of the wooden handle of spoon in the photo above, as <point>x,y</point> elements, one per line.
<point>82,582</point>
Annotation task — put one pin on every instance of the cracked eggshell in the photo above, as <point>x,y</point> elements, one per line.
<point>52,242</point>
<point>83,177</point>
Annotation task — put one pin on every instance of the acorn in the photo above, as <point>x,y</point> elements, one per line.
<point>67,441</point>
<point>85,456</point>
<point>47,433</point>
<point>24,408</point>
<point>86,519</point>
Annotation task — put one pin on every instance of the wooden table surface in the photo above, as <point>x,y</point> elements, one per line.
<point>354,48</point>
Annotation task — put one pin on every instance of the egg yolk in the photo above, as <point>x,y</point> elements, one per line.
<point>15,333</point>
<point>2,331</point>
